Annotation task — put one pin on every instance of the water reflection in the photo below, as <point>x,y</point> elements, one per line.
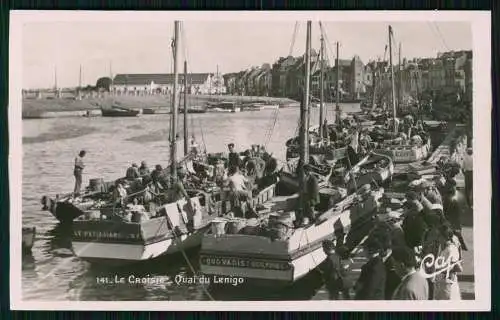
<point>28,262</point>
<point>60,237</point>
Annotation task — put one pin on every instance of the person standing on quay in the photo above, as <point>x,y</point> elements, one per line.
<point>78,171</point>
<point>413,285</point>
<point>467,170</point>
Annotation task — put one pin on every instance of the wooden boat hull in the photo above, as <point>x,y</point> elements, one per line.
<point>263,261</point>
<point>28,238</point>
<point>103,241</point>
<point>106,253</point>
<point>383,171</point>
<point>407,153</point>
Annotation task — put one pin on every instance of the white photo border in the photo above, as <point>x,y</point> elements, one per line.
<point>480,22</point>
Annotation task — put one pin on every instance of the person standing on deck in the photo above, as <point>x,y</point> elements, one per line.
<point>468,174</point>
<point>233,157</point>
<point>143,169</point>
<point>132,172</point>
<point>239,192</point>
<point>311,198</point>
<point>353,148</point>
<point>338,114</point>
<point>77,172</point>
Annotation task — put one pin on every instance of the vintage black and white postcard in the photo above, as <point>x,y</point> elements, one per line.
<point>250,160</point>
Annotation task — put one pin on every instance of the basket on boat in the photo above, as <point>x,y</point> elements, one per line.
<point>219,226</point>
<point>97,185</point>
<point>235,225</point>
<point>281,226</point>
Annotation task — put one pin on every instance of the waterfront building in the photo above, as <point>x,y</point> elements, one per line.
<point>150,84</point>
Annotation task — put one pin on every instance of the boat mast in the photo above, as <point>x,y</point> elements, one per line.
<point>400,78</point>
<point>392,80</point>
<point>80,83</point>
<point>337,93</point>
<point>173,144</point>
<point>321,85</point>
<point>185,110</point>
<point>374,81</point>
<point>55,80</point>
<point>304,114</point>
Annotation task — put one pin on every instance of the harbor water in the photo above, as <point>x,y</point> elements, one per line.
<point>51,272</point>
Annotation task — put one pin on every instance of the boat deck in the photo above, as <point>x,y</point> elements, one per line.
<point>442,150</point>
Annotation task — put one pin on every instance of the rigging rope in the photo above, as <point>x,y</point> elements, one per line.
<point>294,37</point>
<point>202,137</point>
<point>276,113</point>
<point>186,258</point>
<point>439,34</point>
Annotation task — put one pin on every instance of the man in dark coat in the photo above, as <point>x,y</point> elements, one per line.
<point>311,198</point>
<point>371,282</point>
<point>334,274</point>
<point>233,157</point>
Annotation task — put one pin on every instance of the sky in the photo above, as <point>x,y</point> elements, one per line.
<point>144,47</point>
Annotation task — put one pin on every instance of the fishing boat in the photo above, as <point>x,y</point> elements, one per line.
<point>197,109</point>
<point>276,248</point>
<point>120,233</point>
<point>224,107</point>
<point>118,111</point>
<point>67,207</point>
<point>289,105</point>
<point>268,106</point>
<point>28,238</point>
<point>251,107</point>
<point>372,169</point>
<point>401,151</point>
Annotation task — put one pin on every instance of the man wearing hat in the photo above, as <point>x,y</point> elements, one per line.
<point>143,169</point>
<point>414,225</point>
<point>233,157</point>
<point>132,172</point>
<point>467,170</point>
<point>453,210</point>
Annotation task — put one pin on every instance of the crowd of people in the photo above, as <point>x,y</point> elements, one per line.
<point>404,243</point>
<point>247,175</point>
<point>243,174</point>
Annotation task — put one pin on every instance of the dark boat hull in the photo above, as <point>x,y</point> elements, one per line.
<point>119,113</point>
<point>65,211</point>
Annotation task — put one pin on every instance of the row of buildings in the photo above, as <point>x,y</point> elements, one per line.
<point>448,72</point>
<point>142,85</point>
<point>152,84</point>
